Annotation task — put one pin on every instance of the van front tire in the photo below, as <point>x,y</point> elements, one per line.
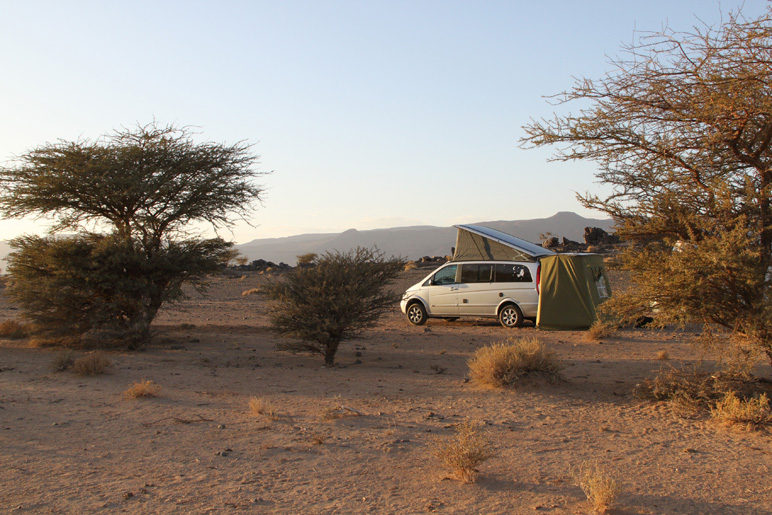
<point>511,316</point>
<point>416,313</point>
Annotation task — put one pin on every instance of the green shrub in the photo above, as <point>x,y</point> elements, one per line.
<point>332,301</point>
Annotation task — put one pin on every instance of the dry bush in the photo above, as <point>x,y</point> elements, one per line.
<point>253,291</point>
<point>13,330</point>
<point>597,484</point>
<point>749,414</point>
<point>663,355</point>
<point>411,265</point>
<point>62,361</point>
<point>694,391</point>
<point>91,364</point>
<point>464,451</point>
<point>690,391</point>
<point>600,330</point>
<point>142,389</point>
<point>503,364</point>
<point>261,406</point>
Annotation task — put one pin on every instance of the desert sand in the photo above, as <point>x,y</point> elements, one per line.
<point>74,444</point>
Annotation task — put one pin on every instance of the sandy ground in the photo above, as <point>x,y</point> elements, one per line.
<point>73,444</point>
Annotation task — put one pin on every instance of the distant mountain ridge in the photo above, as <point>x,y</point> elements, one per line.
<point>408,242</point>
<point>414,242</point>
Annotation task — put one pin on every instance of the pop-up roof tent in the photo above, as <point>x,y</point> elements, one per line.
<point>571,286</point>
<point>475,243</point>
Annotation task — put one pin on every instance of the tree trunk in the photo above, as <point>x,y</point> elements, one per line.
<point>329,353</point>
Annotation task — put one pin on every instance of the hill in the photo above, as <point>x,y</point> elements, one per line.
<point>408,242</point>
<point>414,242</point>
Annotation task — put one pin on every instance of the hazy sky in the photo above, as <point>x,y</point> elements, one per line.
<point>369,113</point>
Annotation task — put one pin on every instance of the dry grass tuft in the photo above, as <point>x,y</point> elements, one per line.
<point>464,451</point>
<point>142,389</point>
<point>253,291</point>
<point>600,330</point>
<point>264,407</point>
<point>62,361</point>
<point>13,330</point>
<point>597,484</point>
<point>410,265</point>
<point>91,364</point>
<point>503,364</point>
<point>749,414</point>
<point>663,355</point>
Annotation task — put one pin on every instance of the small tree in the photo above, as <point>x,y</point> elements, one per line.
<point>144,187</point>
<point>681,131</point>
<point>333,301</point>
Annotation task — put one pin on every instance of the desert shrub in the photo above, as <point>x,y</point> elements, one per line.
<point>91,364</point>
<point>464,451</point>
<point>142,389</point>
<point>748,413</point>
<point>307,259</point>
<point>503,364</point>
<point>252,291</point>
<point>600,330</point>
<point>264,407</point>
<point>63,360</point>
<point>693,391</point>
<point>104,290</point>
<point>689,390</point>
<point>144,187</point>
<point>332,301</point>
<point>663,355</point>
<point>597,484</point>
<point>13,330</point>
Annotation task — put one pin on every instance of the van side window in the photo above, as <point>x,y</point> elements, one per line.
<point>446,275</point>
<point>476,273</point>
<point>513,274</point>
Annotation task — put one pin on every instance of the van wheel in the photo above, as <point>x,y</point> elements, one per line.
<point>416,313</point>
<point>511,316</point>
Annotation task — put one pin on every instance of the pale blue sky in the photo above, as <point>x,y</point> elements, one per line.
<point>369,113</point>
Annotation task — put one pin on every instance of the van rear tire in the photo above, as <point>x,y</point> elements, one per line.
<point>416,313</point>
<point>511,316</point>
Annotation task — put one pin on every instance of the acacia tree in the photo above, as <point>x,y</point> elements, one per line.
<point>333,300</point>
<point>142,188</point>
<point>681,130</point>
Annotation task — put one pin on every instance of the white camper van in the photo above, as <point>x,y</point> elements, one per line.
<point>492,274</point>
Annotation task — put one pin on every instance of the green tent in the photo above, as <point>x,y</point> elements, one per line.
<point>572,286</point>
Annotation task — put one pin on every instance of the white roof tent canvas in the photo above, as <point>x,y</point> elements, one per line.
<point>476,243</point>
